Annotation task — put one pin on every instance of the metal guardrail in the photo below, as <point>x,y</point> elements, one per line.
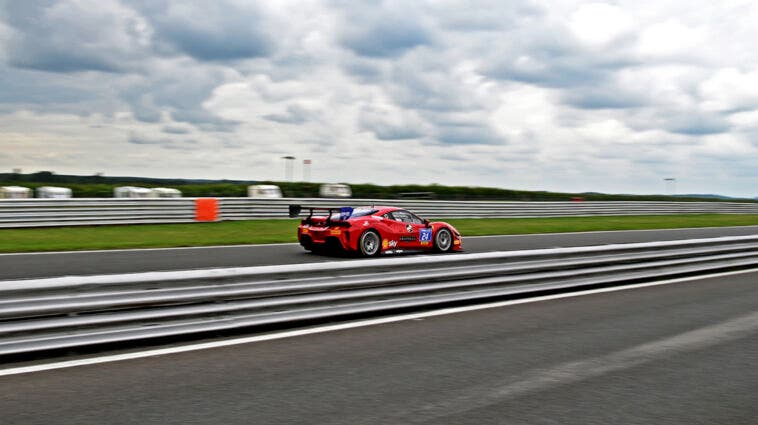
<point>68,312</point>
<point>69,212</point>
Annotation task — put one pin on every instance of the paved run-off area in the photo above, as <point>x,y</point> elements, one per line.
<point>680,353</point>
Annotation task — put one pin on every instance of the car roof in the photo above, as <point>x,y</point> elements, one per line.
<point>379,209</point>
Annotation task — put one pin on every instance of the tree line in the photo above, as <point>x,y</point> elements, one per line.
<point>98,186</point>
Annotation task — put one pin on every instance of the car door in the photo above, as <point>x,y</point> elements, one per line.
<point>409,230</point>
<point>394,230</point>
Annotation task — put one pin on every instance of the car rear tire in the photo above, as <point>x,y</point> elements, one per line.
<point>370,243</point>
<point>443,240</point>
<point>306,243</point>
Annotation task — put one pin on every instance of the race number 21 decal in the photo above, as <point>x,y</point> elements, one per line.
<point>425,235</point>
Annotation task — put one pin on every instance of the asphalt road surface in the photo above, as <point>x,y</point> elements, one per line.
<point>20,266</point>
<point>682,353</point>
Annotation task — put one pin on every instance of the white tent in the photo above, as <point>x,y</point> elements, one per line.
<point>53,192</point>
<point>131,192</point>
<point>165,192</point>
<point>264,191</point>
<point>15,192</point>
<point>335,190</point>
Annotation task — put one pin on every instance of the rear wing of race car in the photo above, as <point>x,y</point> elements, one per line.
<point>344,212</point>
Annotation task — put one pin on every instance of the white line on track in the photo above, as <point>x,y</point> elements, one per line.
<point>295,243</point>
<point>338,327</point>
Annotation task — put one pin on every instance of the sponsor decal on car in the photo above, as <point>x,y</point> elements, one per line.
<point>389,244</point>
<point>407,238</point>
<point>345,213</point>
<point>456,242</point>
<point>335,232</point>
<point>409,228</point>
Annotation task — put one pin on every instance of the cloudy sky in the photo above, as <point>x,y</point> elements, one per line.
<point>561,96</point>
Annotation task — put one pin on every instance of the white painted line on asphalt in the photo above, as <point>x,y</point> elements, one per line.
<point>296,244</point>
<point>342,326</point>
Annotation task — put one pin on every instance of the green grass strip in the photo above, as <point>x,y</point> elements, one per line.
<point>273,231</point>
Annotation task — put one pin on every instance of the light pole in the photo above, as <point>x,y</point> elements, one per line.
<point>670,185</point>
<point>288,167</point>
<point>306,170</point>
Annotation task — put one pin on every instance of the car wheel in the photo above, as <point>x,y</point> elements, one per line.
<point>370,244</point>
<point>443,241</point>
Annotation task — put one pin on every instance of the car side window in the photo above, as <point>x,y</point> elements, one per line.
<point>406,217</point>
<point>415,219</point>
<point>399,216</point>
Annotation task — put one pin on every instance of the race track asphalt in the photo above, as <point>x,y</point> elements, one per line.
<point>22,266</point>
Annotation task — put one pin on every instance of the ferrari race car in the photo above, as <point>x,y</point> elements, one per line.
<point>369,231</point>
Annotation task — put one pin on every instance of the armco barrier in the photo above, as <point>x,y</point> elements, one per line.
<point>70,212</point>
<point>84,311</point>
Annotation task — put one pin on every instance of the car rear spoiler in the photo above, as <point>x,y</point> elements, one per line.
<point>344,212</point>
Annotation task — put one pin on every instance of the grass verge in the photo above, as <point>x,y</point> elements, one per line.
<point>273,231</point>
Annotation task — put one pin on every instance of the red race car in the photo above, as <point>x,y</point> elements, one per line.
<point>369,231</point>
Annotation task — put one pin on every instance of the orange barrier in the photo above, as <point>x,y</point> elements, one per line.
<point>206,209</point>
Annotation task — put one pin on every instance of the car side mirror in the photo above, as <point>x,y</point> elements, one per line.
<point>427,222</point>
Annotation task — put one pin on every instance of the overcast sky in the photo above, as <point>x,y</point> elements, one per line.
<point>561,96</point>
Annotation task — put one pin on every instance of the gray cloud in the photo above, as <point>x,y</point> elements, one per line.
<point>395,133</point>
<point>468,134</point>
<point>389,131</point>
<point>215,31</point>
<point>136,139</point>
<point>204,120</point>
<point>293,115</point>
<point>176,130</point>
<point>688,122</point>
<point>560,65</point>
<point>162,142</point>
<point>386,39</point>
<point>698,126</point>
<point>72,37</point>
<point>383,32</point>
<point>500,81</point>
<point>366,71</point>
<point>609,97</point>
<point>30,87</point>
